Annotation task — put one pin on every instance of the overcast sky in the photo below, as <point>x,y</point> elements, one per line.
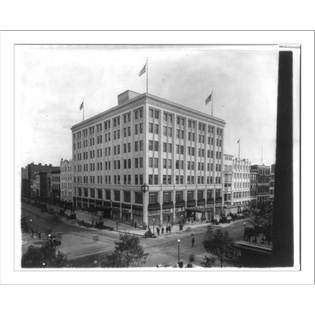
<point>51,82</point>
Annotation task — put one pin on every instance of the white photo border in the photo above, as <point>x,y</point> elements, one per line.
<point>303,270</point>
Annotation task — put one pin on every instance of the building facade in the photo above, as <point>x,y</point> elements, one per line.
<point>29,173</point>
<point>66,180</point>
<point>147,143</point>
<point>236,183</point>
<point>53,179</point>
<point>272,182</point>
<point>260,183</point>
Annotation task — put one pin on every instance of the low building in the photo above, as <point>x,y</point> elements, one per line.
<point>66,177</point>
<point>236,183</point>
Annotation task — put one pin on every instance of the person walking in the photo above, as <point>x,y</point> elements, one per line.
<point>192,240</point>
<point>162,230</point>
<point>158,231</point>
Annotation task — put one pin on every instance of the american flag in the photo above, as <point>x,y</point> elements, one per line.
<point>143,70</point>
<point>209,98</point>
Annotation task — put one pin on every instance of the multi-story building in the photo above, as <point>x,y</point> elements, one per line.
<point>147,143</point>
<point>272,182</point>
<point>66,179</point>
<point>39,188</point>
<point>30,172</point>
<point>236,183</point>
<point>260,183</point>
<point>253,186</point>
<point>54,185</point>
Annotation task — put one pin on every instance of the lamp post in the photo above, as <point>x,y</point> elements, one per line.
<point>153,225</point>
<point>244,225</point>
<point>144,189</point>
<point>178,247</point>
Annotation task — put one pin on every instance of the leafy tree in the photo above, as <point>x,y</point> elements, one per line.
<point>44,256</point>
<point>218,243</point>
<point>128,253</point>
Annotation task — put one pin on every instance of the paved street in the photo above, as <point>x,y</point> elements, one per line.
<point>78,242</point>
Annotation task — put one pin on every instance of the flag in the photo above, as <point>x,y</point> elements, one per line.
<point>143,70</point>
<point>82,105</point>
<point>209,98</point>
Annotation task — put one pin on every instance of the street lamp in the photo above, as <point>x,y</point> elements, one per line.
<point>144,188</point>
<point>178,247</point>
<point>244,224</point>
<point>153,225</point>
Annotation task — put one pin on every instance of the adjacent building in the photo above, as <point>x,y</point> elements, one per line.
<point>30,178</point>
<point>53,179</point>
<point>66,179</point>
<point>39,187</point>
<point>236,183</point>
<point>149,160</point>
<point>260,183</point>
<point>272,182</point>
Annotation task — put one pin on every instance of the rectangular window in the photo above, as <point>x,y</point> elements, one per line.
<point>190,195</point>
<point>179,195</point>
<point>127,196</point>
<point>138,197</point>
<point>156,162</point>
<point>167,196</point>
<point>153,197</point>
<point>156,146</point>
<point>117,195</point>
<point>200,194</point>
<point>156,179</point>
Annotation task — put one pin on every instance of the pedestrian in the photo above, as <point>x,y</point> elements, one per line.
<point>162,230</point>
<point>192,240</point>
<point>158,231</point>
<point>39,235</point>
<point>180,264</point>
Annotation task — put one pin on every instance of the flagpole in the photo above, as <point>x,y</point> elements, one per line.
<point>147,75</point>
<point>239,148</point>
<point>83,109</point>
<point>212,103</point>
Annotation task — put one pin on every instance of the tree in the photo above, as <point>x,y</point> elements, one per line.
<point>44,256</point>
<point>128,253</point>
<point>218,243</point>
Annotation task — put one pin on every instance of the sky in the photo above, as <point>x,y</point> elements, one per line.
<point>51,82</point>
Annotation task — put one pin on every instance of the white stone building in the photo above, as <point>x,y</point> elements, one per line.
<point>147,143</point>
<point>236,183</point>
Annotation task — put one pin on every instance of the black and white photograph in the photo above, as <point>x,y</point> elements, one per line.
<point>157,156</point>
